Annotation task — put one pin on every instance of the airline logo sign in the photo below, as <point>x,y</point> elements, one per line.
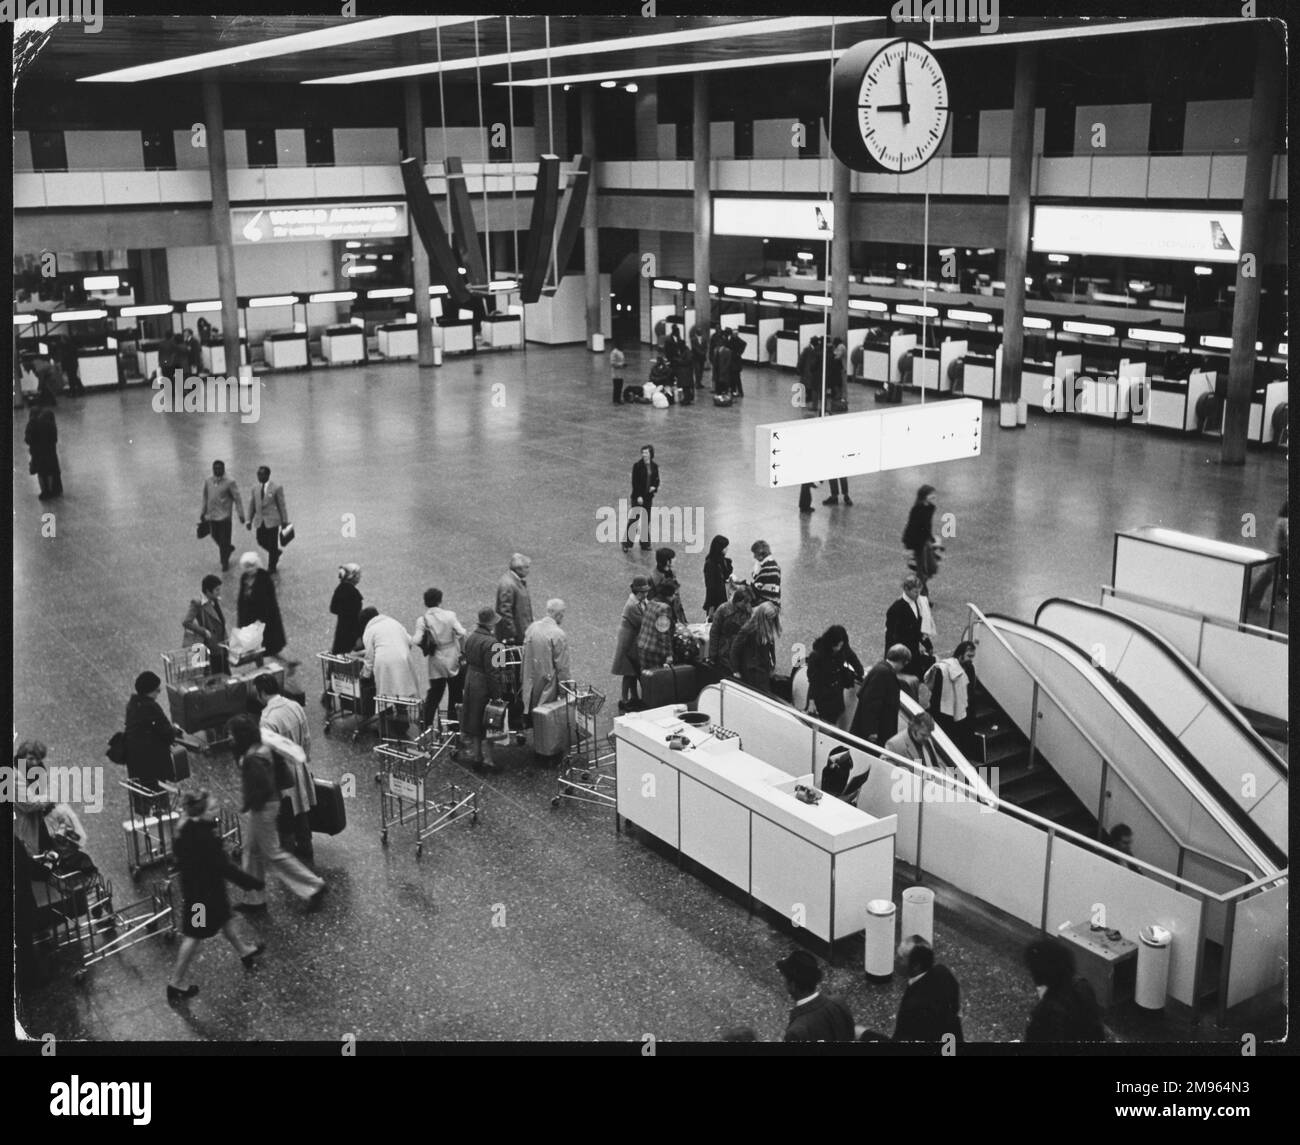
<point>313,222</point>
<point>1202,236</point>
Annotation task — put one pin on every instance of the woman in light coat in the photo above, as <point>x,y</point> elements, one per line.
<point>625,660</point>
<point>392,657</point>
<point>447,638</point>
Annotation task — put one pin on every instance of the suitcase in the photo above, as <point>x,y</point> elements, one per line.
<point>196,707</point>
<point>551,728</point>
<point>678,684</point>
<point>330,815</point>
<point>890,393</point>
<point>179,770</point>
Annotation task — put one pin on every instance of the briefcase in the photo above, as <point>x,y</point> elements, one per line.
<point>330,815</point>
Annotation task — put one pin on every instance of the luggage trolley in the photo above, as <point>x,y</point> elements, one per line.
<point>185,672</point>
<point>407,794</point>
<point>346,693</point>
<point>148,834</point>
<point>394,713</point>
<point>510,672</point>
<point>587,775</point>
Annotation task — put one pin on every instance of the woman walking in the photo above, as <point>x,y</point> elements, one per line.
<point>482,684</point>
<point>717,575</point>
<point>918,537</point>
<point>629,628</point>
<point>204,869</point>
<point>257,601</point>
<point>754,650</point>
<point>441,637</point>
<point>346,605</point>
<point>832,668</point>
<point>42,438</point>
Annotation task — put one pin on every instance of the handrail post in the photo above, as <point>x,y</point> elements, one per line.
<point>1101,802</point>
<point>1225,967</point>
<point>1047,877</point>
<point>920,822</point>
<point>1200,960</point>
<point>1033,726</point>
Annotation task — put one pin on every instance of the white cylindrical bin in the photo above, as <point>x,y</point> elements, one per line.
<point>879,936</point>
<point>437,355</point>
<point>1153,967</point>
<point>918,914</point>
<point>1022,410</point>
<point>1007,415</point>
<point>598,343</point>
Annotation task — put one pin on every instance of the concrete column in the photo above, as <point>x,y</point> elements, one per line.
<point>700,148</point>
<point>1254,214</point>
<point>214,121</point>
<point>415,149</point>
<point>590,231</point>
<point>647,118</point>
<point>1018,207</point>
<point>839,272</point>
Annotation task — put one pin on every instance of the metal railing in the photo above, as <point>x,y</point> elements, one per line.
<point>1200,617</point>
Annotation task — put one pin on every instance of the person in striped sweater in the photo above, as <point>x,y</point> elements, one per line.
<point>766,577</point>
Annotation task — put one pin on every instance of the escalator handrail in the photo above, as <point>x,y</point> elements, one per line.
<point>1192,614</point>
<point>1212,694</point>
<point>975,610</point>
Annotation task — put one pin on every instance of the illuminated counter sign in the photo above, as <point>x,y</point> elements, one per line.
<point>811,219</point>
<point>1202,236</point>
<point>307,223</point>
<point>815,449</point>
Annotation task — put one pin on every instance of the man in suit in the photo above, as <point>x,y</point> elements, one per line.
<point>645,484</point>
<point>737,345</point>
<point>699,352</point>
<point>267,513</point>
<point>220,499</point>
<point>903,626</point>
<point>514,605</point>
<point>877,716</point>
<point>915,742</point>
<point>931,1005</point>
<point>816,1017</point>
<point>205,623</point>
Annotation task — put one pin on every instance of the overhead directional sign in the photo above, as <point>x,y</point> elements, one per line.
<point>848,445</point>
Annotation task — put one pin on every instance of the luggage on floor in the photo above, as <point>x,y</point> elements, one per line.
<point>209,704</point>
<point>889,393</point>
<point>725,399</point>
<point>677,684</point>
<point>551,728</point>
<point>330,815</point>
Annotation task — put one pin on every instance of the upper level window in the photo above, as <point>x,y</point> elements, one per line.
<point>49,153</point>
<point>159,147</point>
<point>261,146</point>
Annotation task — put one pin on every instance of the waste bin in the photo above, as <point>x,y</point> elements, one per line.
<point>437,355</point>
<point>879,940</point>
<point>1153,967</point>
<point>598,343</point>
<point>918,914</point>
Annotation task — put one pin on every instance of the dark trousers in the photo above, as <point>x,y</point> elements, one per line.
<point>51,483</point>
<point>638,520</point>
<point>618,391</point>
<point>453,685</point>
<point>805,497</point>
<point>268,536</point>
<point>697,370</point>
<point>839,486</point>
<point>685,377</point>
<point>221,536</point>
<point>736,387</point>
<point>295,832</point>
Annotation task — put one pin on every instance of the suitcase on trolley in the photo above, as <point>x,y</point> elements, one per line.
<point>330,815</point>
<point>207,704</point>
<point>179,770</point>
<point>551,728</point>
<point>677,684</point>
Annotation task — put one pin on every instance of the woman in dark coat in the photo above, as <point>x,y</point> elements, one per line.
<point>728,620</point>
<point>482,683</point>
<point>346,605</point>
<point>204,869</point>
<point>717,572</point>
<point>42,438</point>
<point>257,601</point>
<point>664,574</point>
<point>149,737</point>
<point>754,650</point>
<point>918,537</point>
<point>832,667</point>
<point>629,628</point>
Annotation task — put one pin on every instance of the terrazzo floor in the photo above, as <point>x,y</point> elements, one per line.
<point>536,924</point>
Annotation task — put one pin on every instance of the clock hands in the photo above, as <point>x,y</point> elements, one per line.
<point>904,106</point>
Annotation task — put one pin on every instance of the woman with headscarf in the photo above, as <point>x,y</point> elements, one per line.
<point>257,601</point>
<point>346,605</point>
<point>149,738</point>
<point>204,870</point>
<point>42,438</point>
<point>664,574</point>
<point>629,628</point>
<point>717,575</point>
<point>482,684</point>
<point>754,651</point>
<point>393,658</point>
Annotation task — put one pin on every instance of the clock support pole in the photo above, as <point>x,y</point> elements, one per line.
<point>838,326</point>
<point>1018,208</point>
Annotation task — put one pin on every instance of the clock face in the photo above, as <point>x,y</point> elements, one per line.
<point>901,106</point>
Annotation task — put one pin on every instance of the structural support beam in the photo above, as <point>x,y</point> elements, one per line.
<point>415,149</point>
<point>541,228</point>
<point>428,222</point>
<point>700,151</point>
<point>841,209</point>
<point>1254,213</point>
<point>214,123</point>
<point>1018,208</point>
<point>590,232</point>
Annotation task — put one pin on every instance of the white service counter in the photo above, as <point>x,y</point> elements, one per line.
<point>214,357</point>
<point>736,815</point>
<point>340,345</point>
<point>400,340</point>
<point>286,350</point>
<point>97,369</point>
<point>456,336</point>
<point>501,331</point>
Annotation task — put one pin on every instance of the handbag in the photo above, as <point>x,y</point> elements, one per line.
<point>204,529</point>
<point>287,534</point>
<point>116,751</point>
<point>494,719</point>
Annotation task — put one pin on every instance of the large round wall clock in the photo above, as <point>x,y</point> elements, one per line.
<point>890,110</point>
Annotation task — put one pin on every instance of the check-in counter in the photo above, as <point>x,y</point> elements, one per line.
<point>875,360</point>
<point>736,815</point>
<point>1263,403</point>
<point>1042,385</point>
<point>787,349</point>
<point>980,379</point>
<point>501,331</point>
<point>1171,402</point>
<point>925,372</point>
<point>341,345</point>
<point>454,335</point>
<point>147,356</point>
<point>213,356</point>
<point>98,367</point>
<point>286,350</point>
<point>767,328</point>
<point>399,339</point>
<point>753,350</point>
